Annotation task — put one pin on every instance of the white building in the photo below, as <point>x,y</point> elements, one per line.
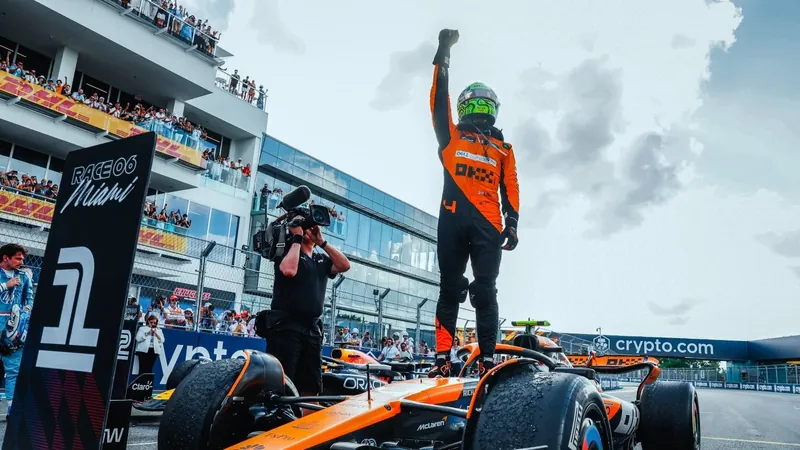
<point>128,55</point>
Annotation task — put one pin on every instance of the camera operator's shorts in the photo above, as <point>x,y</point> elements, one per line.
<point>299,354</point>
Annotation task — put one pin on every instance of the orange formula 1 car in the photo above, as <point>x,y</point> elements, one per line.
<point>536,399</point>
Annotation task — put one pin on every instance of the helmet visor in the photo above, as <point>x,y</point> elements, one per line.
<point>479,93</point>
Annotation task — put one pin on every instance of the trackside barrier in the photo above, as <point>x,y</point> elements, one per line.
<point>780,388</point>
<point>180,345</point>
<point>610,384</point>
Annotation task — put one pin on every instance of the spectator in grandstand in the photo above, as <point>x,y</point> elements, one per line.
<point>157,308</point>
<point>405,353</point>
<point>233,83</point>
<point>133,301</point>
<point>239,326</point>
<point>188,316</point>
<point>455,361</point>
<point>16,301</point>
<point>366,341</point>
<point>390,351</point>
<point>208,322</point>
<point>354,337</point>
<point>408,341</point>
<point>251,326</point>
<point>149,344</point>
<point>173,314</point>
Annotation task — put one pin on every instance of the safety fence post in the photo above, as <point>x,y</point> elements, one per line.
<point>334,288</point>
<point>419,321</point>
<point>201,274</point>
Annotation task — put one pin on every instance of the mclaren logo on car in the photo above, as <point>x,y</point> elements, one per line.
<point>432,425</point>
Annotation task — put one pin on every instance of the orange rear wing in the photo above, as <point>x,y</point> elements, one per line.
<point>610,360</point>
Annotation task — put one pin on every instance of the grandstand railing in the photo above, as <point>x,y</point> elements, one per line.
<point>222,178</point>
<point>223,81</point>
<point>150,14</point>
<point>17,91</point>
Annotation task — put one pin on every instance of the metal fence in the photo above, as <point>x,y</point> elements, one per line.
<point>778,373</point>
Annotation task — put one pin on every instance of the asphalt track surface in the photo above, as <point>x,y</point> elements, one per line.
<point>730,420</point>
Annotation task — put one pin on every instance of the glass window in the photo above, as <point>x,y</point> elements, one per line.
<point>363,232</point>
<point>55,169</point>
<point>268,160</point>
<point>233,231</point>
<point>270,146</point>
<point>219,227</point>
<point>397,245</point>
<point>367,192</point>
<point>302,160</point>
<point>27,161</point>
<point>386,240</point>
<point>388,203</point>
<point>199,215</point>
<point>5,154</point>
<point>351,219</point>
<point>356,186</point>
<point>286,153</point>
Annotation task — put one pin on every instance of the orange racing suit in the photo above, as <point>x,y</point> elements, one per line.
<point>477,163</point>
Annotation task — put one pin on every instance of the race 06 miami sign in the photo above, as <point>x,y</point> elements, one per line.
<point>662,347</point>
<point>68,363</point>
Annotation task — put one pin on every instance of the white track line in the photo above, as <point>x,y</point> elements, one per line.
<point>749,441</point>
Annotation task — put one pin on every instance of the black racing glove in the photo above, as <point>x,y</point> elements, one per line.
<point>447,39</point>
<point>509,236</point>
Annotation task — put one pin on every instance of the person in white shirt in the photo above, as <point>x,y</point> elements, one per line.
<point>408,341</point>
<point>455,361</point>
<point>149,344</point>
<point>390,351</point>
<point>174,313</point>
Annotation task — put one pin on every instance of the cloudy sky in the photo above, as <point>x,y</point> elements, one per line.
<point>655,150</point>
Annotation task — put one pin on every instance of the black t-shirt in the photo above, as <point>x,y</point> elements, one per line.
<point>302,297</point>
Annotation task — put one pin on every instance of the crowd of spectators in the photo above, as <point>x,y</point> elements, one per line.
<point>178,22</point>
<point>175,217</point>
<point>30,184</point>
<point>159,120</point>
<point>244,89</point>
<point>170,314</point>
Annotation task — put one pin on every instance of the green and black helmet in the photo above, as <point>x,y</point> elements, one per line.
<point>478,105</point>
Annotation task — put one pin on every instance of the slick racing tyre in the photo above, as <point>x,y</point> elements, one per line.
<point>182,370</point>
<point>670,417</point>
<point>186,423</point>
<point>529,409</point>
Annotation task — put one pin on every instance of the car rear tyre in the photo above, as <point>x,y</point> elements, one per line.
<point>558,411</point>
<point>182,370</point>
<point>186,423</point>
<point>670,417</point>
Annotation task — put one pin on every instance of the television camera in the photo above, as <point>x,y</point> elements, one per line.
<point>271,242</point>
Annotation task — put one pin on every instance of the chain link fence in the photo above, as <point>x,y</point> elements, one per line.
<point>766,374</point>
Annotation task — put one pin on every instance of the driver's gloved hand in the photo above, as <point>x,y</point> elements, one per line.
<point>509,237</point>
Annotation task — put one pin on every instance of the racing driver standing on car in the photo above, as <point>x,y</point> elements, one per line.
<point>477,162</point>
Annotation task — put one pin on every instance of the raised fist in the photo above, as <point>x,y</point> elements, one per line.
<point>448,37</point>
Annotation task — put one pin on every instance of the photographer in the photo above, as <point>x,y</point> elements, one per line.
<point>293,325</point>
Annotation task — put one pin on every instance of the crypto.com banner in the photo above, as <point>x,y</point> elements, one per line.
<point>65,379</point>
<point>663,347</point>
